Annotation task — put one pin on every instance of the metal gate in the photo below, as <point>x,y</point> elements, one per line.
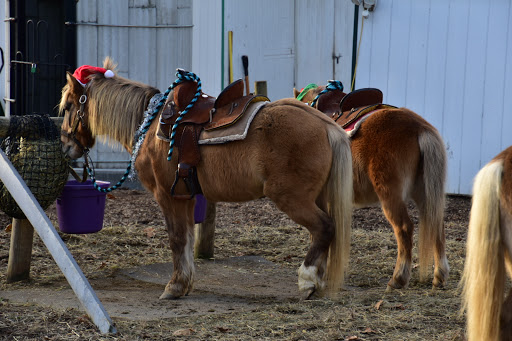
<point>42,49</point>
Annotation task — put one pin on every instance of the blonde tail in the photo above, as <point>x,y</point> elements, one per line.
<point>339,189</point>
<point>484,270</point>
<point>431,225</point>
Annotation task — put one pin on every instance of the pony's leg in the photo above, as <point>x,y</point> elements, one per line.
<point>312,271</point>
<point>506,311</point>
<point>506,318</point>
<point>180,228</point>
<point>321,228</point>
<point>441,267</point>
<point>395,210</point>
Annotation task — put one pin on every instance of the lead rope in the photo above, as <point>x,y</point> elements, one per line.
<point>183,76</point>
<point>331,85</point>
<point>140,135</point>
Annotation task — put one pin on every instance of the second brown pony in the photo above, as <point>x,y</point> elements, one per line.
<point>398,156</point>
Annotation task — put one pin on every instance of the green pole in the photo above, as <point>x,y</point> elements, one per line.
<point>354,44</point>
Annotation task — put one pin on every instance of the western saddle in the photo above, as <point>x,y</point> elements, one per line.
<point>207,113</point>
<point>346,109</point>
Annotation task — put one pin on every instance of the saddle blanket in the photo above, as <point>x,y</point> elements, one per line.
<point>235,132</point>
<point>354,119</point>
<point>352,128</point>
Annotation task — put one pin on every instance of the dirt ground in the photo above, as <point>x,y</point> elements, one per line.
<point>248,291</point>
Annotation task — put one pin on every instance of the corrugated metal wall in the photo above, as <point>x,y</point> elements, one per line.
<point>449,61</point>
<point>148,39</point>
<point>207,44</point>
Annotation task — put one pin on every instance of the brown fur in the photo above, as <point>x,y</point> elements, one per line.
<point>488,254</point>
<point>292,154</point>
<point>398,156</point>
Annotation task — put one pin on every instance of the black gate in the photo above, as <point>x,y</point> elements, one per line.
<point>42,49</point>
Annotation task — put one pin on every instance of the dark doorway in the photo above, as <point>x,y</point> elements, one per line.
<point>42,48</point>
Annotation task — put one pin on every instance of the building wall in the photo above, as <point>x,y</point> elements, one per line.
<point>289,43</point>
<point>207,44</point>
<point>449,61</point>
<point>323,41</point>
<point>148,39</point>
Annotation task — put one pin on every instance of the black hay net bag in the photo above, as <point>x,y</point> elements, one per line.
<point>33,147</point>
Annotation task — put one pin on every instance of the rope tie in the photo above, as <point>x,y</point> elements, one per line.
<point>331,85</point>
<point>182,77</point>
<point>305,90</point>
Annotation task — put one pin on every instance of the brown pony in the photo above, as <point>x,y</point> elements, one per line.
<point>489,252</point>
<point>292,154</point>
<point>397,157</point>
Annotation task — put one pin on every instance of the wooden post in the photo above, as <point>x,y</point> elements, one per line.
<point>20,252</point>
<point>205,234</point>
<point>260,88</point>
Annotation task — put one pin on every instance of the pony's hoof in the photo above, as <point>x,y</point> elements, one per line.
<point>168,296</point>
<point>173,291</point>
<point>437,286</point>
<point>392,285</point>
<point>309,283</point>
<point>439,280</point>
<point>308,293</point>
<point>397,283</point>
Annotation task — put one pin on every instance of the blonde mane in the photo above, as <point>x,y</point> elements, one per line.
<point>116,105</point>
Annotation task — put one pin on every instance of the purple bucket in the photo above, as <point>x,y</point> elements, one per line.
<point>200,209</point>
<point>80,207</point>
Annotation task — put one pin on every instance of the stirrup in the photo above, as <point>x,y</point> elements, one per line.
<point>189,177</point>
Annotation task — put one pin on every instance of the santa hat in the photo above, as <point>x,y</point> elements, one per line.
<point>83,73</point>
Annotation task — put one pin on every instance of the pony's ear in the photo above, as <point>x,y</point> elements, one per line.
<point>73,83</point>
<point>295,92</point>
<point>183,94</point>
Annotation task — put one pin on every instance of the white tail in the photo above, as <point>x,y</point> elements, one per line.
<point>339,191</point>
<point>431,226</point>
<point>484,270</point>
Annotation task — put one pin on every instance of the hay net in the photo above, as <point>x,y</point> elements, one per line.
<point>33,147</point>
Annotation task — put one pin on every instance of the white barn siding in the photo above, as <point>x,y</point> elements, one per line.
<point>263,30</point>
<point>343,40</point>
<point>323,29</point>
<point>265,36</point>
<point>207,44</point>
<point>289,43</point>
<point>449,62</point>
<point>313,34</point>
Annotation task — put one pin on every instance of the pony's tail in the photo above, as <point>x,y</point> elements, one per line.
<point>339,191</point>
<point>484,270</point>
<point>431,214</point>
